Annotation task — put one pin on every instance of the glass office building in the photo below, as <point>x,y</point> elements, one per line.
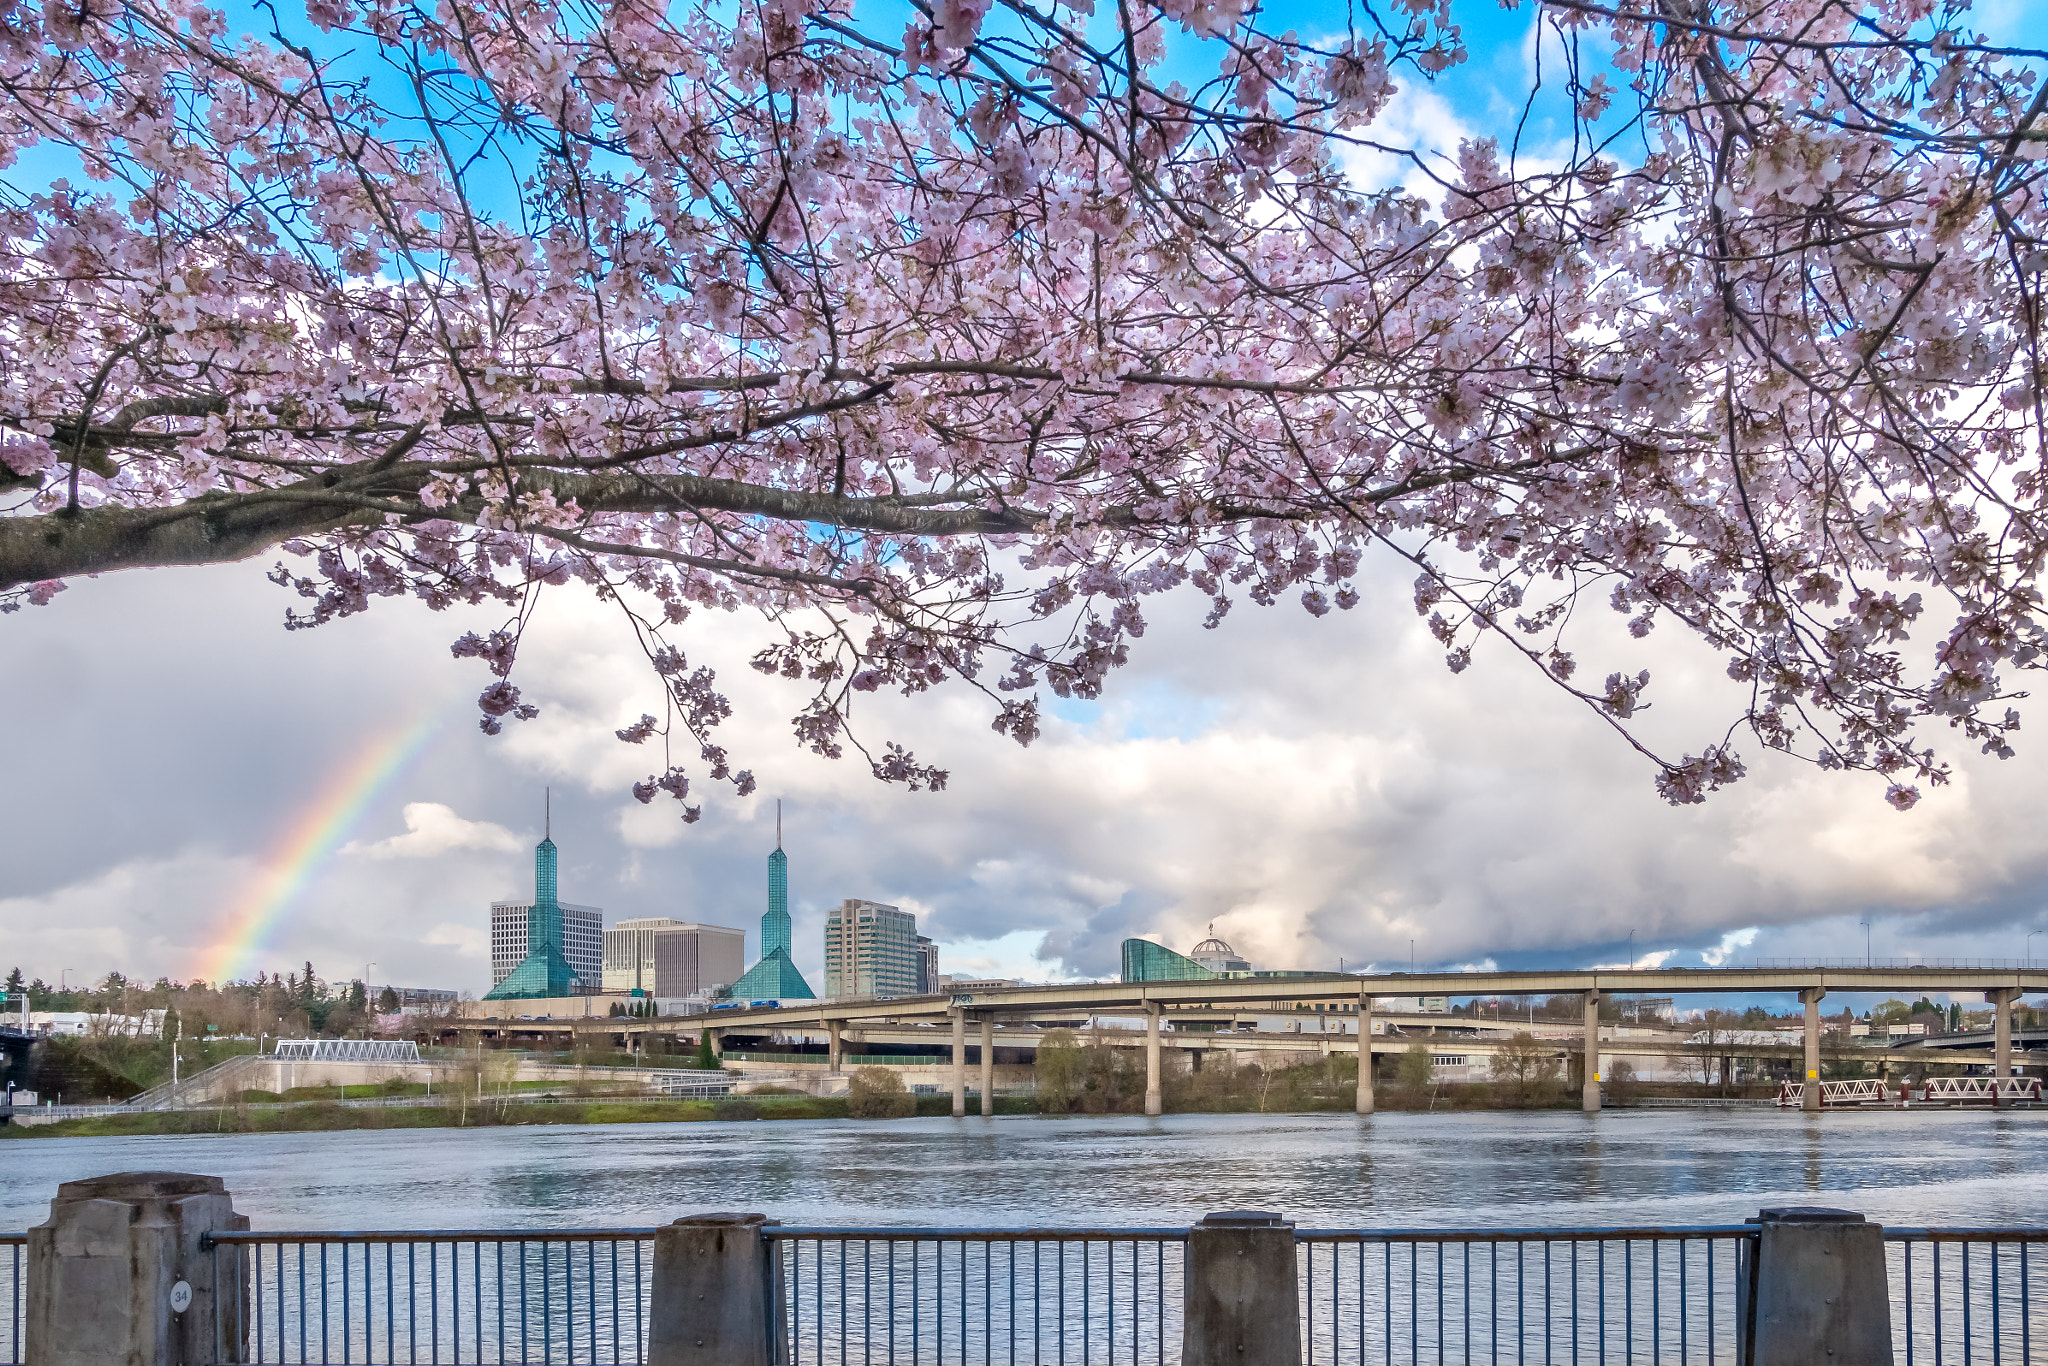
<point>871,950</point>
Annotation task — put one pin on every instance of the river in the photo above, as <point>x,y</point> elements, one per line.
<point>1541,1169</point>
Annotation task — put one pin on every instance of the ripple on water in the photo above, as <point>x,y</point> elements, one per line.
<point>1643,1167</point>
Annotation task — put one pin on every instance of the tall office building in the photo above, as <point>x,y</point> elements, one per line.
<point>775,977</point>
<point>669,958</point>
<point>927,966</point>
<point>545,970</point>
<point>582,938</point>
<point>871,950</point>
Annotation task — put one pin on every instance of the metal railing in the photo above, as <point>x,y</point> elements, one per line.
<point>1079,1297</point>
<point>1855,1091</point>
<point>1967,1295</point>
<point>1663,1295</point>
<point>1980,1090</point>
<point>13,1293</point>
<point>516,1295</point>
<point>947,1296</point>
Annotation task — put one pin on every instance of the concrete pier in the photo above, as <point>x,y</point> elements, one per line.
<point>1809,1096</point>
<point>1364,1054</point>
<point>1154,1101</point>
<point>988,1066</point>
<point>959,1064</point>
<point>2001,1037</point>
<point>1589,1092</point>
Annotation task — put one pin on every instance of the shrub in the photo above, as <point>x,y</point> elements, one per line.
<point>1415,1073</point>
<point>735,1109</point>
<point>1526,1071</point>
<point>877,1093</point>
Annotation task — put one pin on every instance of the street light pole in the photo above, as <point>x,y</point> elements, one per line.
<point>1866,943</point>
<point>2030,946</point>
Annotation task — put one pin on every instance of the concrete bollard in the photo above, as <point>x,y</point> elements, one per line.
<point>1240,1296</point>
<point>714,1300</point>
<point>117,1276</point>
<point>1815,1291</point>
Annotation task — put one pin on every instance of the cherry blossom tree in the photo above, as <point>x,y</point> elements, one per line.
<point>944,345</point>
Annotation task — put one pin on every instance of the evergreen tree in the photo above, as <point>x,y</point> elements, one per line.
<point>387,1002</point>
<point>15,985</point>
<point>706,1059</point>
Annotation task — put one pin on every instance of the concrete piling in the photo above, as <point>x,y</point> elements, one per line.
<point>712,1300</point>
<point>118,1276</point>
<point>1242,1306</point>
<point>1813,1291</point>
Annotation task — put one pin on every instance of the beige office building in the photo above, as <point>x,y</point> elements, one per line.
<point>669,958</point>
<point>872,950</point>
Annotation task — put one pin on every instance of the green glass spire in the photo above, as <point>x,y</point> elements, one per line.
<point>545,972</point>
<point>775,927</point>
<point>774,977</point>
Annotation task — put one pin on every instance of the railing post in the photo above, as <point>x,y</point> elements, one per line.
<point>1813,1290</point>
<point>119,1276</point>
<point>715,1299</point>
<point>1241,1301</point>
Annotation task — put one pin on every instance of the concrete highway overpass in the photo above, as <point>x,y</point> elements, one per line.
<point>1350,996</point>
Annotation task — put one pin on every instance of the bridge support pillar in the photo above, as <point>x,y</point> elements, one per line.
<point>712,1298</point>
<point>1154,1102</point>
<point>1809,1095</point>
<point>834,1050</point>
<point>1242,1301</point>
<point>959,1064</point>
<point>1589,1093</point>
<point>2000,1002</point>
<point>1364,1055</point>
<point>118,1274</point>
<point>988,1066</point>
<point>1814,1290</point>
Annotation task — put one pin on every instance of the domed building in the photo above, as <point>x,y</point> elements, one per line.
<point>1217,956</point>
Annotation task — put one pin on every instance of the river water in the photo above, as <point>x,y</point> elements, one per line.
<point>1546,1169</point>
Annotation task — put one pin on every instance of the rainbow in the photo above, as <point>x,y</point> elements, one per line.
<point>314,834</point>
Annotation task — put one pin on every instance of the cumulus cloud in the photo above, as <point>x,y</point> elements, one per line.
<point>1322,791</point>
<point>432,829</point>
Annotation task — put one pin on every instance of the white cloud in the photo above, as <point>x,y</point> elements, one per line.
<point>431,830</point>
<point>1323,791</point>
<point>1730,942</point>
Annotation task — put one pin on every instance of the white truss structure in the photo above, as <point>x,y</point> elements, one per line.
<point>347,1050</point>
